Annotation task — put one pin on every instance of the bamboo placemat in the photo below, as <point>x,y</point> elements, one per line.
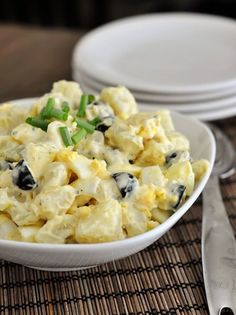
<point>166,278</point>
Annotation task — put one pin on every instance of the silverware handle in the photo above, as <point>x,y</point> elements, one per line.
<point>226,311</point>
<point>218,252</point>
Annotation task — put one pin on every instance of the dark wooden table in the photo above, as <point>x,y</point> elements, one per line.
<point>165,278</point>
<point>31,59</point>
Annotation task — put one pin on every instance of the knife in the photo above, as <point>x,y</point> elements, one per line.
<point>218,252</point>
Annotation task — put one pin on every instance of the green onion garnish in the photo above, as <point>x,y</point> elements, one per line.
<point>50,112</point>
<point>46,111</point>
<point>65,107</point>
<point>91,98</point>
<point>83,102</point>
<point>37,122</point>
<point>78,136</point>
<point>86,125</point>
<point>95,121</point>
<point>65,136</point>
<point>59,114</point>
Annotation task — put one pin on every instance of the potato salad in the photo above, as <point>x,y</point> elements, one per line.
<point>80,168</point>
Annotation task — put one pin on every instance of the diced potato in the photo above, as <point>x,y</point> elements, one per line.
<point>172,196</point>
<point>56,230</point>
<point>200,168</point>
<point>161,135</point>
<point>107,189</point>
<point>6,179</point>
<point>113,156</point>
<point>121,100</point>
<point>25,133</point>
<point>54,136</point>
<point>147,124</point>
<point>38,156</point>
<point>165,120</point>
<point>70,90</point>
<point>100,110</point>
<point>10,149</point>
<point>182,173</point>
<point>99,168</point>
<point>145,198</point>
<point>82,166</point>
<point>5,201</point>
<point>86,186</point>
<point>152,224</point>
<point>37,107</point>
<point>152,175</point>
<point>104,224</point>
<point>92,146</point>
<point>23,213</point>
<point>84,212</point>
<point>134,221</point>
<point>154,153</point>
<point>161,215</point>
<point>54,201</point>
<point>180,142</point>
<point>124,138</point>
<point>79,202</point>
<point>56,174</point>
<point>79,164</point>
<point>11,116</point>
<point>8,229</point>
<point>28,233</point>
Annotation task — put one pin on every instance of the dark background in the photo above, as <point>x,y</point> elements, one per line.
<point>91,13</point>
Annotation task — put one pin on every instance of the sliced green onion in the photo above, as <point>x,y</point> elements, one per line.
<point>91,98</point>
<point>46,111</point>
<point>65,136</point>
<point>59,114</point>
<point>83,102</point>
<point>86,125</point>
<point>37,122</point>
<point>65,107</point>
<point>79,135</point>
<point>95,121</point>
<point>50,112</point>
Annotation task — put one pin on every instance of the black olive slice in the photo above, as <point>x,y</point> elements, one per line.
<point>126,183</point>
<point>105,124</point>
<point>175,156</point>
<point>179,191</point>
<point>171,156</point>
<point>96,103</point>
<point>22,177</point>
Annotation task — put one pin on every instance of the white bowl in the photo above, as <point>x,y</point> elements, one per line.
<point>60,257</point>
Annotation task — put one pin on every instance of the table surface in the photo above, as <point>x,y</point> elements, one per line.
<point>165,278</point>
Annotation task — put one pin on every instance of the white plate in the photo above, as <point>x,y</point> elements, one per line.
<point>56,257</point>
<point>173,53</point>
<point>222,106</point>
<point>215,114</point>
<point>213,110</point>
<point>161,98</point>
<point>212,105</point>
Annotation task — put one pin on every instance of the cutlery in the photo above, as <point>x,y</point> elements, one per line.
<point>218,241</point>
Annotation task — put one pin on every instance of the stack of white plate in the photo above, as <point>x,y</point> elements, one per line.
<point>184,62</point>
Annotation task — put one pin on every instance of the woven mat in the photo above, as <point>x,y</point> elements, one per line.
<point>165,278</point>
